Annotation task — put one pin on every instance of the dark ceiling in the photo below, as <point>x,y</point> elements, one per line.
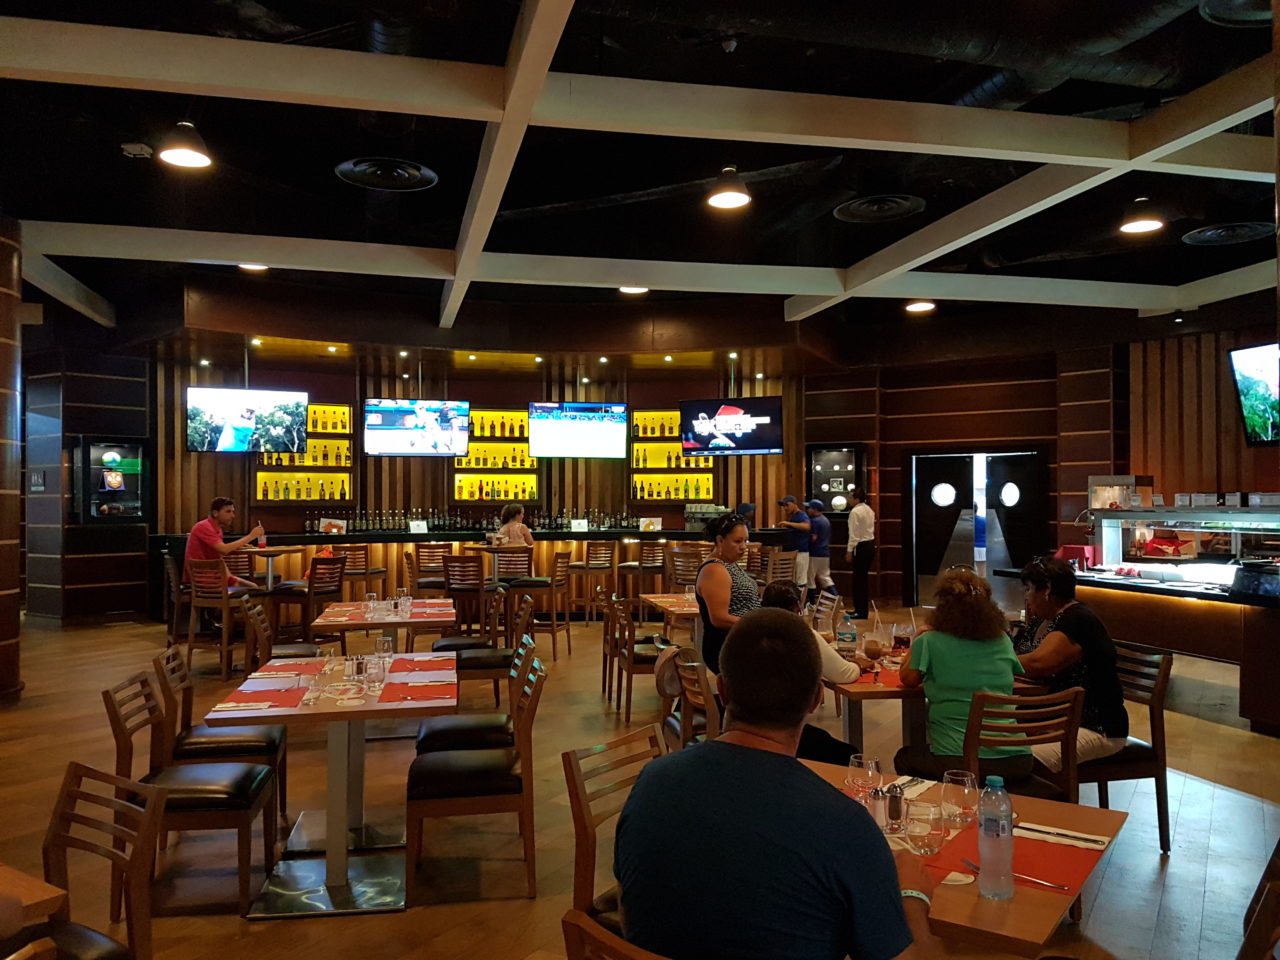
<point>627,196</point>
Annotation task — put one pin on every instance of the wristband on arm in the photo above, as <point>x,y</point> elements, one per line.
<point>916,894</point>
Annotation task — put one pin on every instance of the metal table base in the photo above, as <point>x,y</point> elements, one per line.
<point>297,888</point>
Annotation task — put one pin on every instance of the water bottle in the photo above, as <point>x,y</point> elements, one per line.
<point>995,841</point>
<point>847,637</point>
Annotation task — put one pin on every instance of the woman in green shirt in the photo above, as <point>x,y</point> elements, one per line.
<point>965,650</point>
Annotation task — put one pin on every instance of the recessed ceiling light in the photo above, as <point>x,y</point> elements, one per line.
<point>1177,319</point>
<point>633,289</point>
<point>537,359</point>
<point>759,376</point>
<point>204,363</point>
<point>604,359</point>
<point>920,306</point>
<point>729,191</point>
<point>667,358</point>
<point>1141,216</point>
<point>586,380</point>
<point>404,376</point>
<point>471,356</point>
<point>256,342</point>
<point>333,349</point>
<point>184,147</point>
<point>404,353</point>
<point>733,356</point>
<point>253,267</point>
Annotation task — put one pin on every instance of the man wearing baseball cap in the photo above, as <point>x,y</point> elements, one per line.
<point>819,549</point>
<point>798,523</point>
<point>747,511</point>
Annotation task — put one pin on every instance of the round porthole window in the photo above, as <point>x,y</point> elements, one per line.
<point>942,494</point>
<point>839,503</point>
<point>1010,494</point>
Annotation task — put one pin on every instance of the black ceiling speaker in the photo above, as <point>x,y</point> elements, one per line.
<point>882,208</point>
<point>1236,13</point>
<point>1225,234</point>
<point>386,173</point>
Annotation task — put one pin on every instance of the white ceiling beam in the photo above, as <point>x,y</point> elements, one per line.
<point>533,44</point>
<point>59,52</point>
<point>1040,290</point>
<point>43,274</point>
<point>1224,286</point>
<point>1226,156</point>
<point>201,246</point>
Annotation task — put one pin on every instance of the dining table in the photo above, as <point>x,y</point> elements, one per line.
<point>356,874</point>
<point>37,899</point>
<point>886,686</point>
<point>270,553</point>
<point>1023,924</point>
<point>429,614</point>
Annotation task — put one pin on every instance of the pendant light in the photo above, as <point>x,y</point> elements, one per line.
<point>729,191</point>
<point>184,147</point>
<point>1142,216</point>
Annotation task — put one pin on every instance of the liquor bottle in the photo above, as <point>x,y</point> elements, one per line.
<point>649,495</point>
<point>308,488</point>
<point>344,421</point>
<point>504,463</point>
<point>502,430</point>
<point>484,459</point>
<point>324,455</point>
<point>342,494</point>
<point>266,494</point>
<point>644,458</point>
<point>493,428</point>
<point>521,429</point>
<point>686,488</point>
<point>348,456</point>
<point>635,429</point>
<point>697,489</point>
<point>275,490</point>
<point>521,459</point>
<point>324,423</point>
<point>297,489</point>
<point>479,490</point>
<point>314,421</point>
<point>668,459</point>
<point>457,492</point>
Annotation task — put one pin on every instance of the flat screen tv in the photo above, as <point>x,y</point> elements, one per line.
<point>726,427</point>
<point>226,420</point>
<point>416,428</point>
<point>569,429</point>
<point>1257,376</point>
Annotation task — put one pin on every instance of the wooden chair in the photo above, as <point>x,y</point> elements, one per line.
<point>42,949</point>
<point>1262,925</point>
<point>240,564</point>
<point>608,642</point>
<point>480,731</point>
<point>512,564</point>
<point>321,587</point>
<point>619,762</point>
<point>178,594</point>
<point>359,573</point>
<point>755,558</point>
<point>698,716</point>
<point>1144,676</point>
<point>261,639</point>
<point>652,564</point>
<point>1000,721</point>
<point>117,819</point>
<point>467,587</point>
<point>585,939</point>
<point>428,568</point>
<point>211,591</point>
<point>599,563</point>
<point>825,610</point>
<point>189,742</point>
<point>197,796</point>
<point>555,590</point>
<point>780,565</point>
<point>489,662</point>
<point>451,783</point>
<point>634,654</point>
<point>682,564</point>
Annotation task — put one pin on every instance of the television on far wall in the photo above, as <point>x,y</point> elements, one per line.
<point>233,420</point>
<point>571,429</point>
<point>742,425</point>
<point>1256,371</point>
<point>416,428</point>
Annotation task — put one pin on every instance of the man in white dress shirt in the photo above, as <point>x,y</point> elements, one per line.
<point>861,550</point>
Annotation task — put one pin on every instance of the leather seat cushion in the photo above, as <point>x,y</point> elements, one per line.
<point>75,942</point>
<point>488,658</point>
<point>672,724</point>
<point>211,786</point>
<point>464,773</point>
<point>606,910</point>
<point>581,565</point>
<point>466,731</point>
<point>294,651</point>
<point>447,644</point>
<point>532,583</point>
<point>431,583</point>
<point>485,588</point>
<point>211,742</point>
<point>237,592</point>
<point>298,588</point>
<point>1134,751</point>
<point>350,574</point>
<point>644,653</point>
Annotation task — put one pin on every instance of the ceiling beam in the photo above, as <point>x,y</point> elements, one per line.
<point>1224,286</point>
<point>1226,156</point>
<point>1038,290</point>
<point>43,274</point>
<point>533,44</point>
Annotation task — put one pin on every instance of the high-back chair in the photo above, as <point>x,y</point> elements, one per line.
<point>178,595</point>
<point>480,731</point>
<point>359,576</point>
<point>211,591</point>
<point>599,564</point>
<point>634,654</point>
<point>197,796</point>
<point>512,564</point>
<point>428,567</point>
<point>755,558</point>
<point>780,565</point>
<point>487,661</point>
<point>699,714</point>
<point>451,783</point>
<point>467,587</point>
<point>117,819</point>
<point>825,608</point>
<point>599,780</point>
<point>240,564</point>
<point>651,565</point>
<point>1000,721</point>
<point>262,639</point>
<point>1144,677</point>
<point>189,742</point>
<point>321,587</point>
<point>554,589</point>
<point>683,564</point>
<point>585,939</point>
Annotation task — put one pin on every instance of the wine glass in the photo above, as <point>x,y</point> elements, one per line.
<point>873,650</point>
<point>864,776</point>
<point>926,829</point>
<point>959,798</point>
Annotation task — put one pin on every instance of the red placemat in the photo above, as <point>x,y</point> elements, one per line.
<point>277,698</point>
<point>399,692</point>
<point>1055,862</point>
<point>888,678</point>
<point>308,668</point>
<point>402,665</point>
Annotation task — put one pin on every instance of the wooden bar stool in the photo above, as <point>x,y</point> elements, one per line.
<point>359,572</point>
<point>555,589</point>
<point>467,586</point>
<point>512,564</point>
<point>428,568</point>
<point>600,562</point>
<point>211,591</point>
<point>652,564</point>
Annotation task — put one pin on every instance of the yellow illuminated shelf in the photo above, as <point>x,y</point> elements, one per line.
<point>488,486</point>
<point>682,486</point>
<point>664,456</point>
<point>334,418</point>
<point>300,486</point>
<point>655,425</point>
<point>496,456</point>
<point>323,453</point>
<point>500,425</point>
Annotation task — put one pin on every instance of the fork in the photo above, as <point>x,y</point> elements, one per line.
<point>1021,876</point>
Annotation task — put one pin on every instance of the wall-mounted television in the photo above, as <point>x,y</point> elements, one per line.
<point>570,429</point>
<point>228,420</point>
<point>1257,375</point>
<point>416,428</point>
<point>724,427</point>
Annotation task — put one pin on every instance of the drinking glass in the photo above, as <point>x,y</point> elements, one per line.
<point>926,830</point>
<point>330,661</point>
<point>873,650</point>
<point>315,687</point>
<point>367,608</point>
<point>901,638</point>
<point>864,776</point>
<point>690,589</point>
<point>375,674</point>
<point>402,593</point>
<point>384,647</point>
<point>959,798</point>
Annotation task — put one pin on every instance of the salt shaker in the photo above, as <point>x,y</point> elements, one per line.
<point>896,803</point>
<point>878,804</point>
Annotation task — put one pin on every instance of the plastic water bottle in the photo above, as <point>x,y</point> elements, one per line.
<point>995,841</point>
<point>847,632</point>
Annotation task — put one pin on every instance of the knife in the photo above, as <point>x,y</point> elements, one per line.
<point>1064,836</point>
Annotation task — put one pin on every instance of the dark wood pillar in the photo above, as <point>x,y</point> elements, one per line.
<point>10,456</point>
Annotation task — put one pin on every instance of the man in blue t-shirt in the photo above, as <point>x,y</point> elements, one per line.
<point>798,523</point>
<point>819,548</point>
<point>780,864</point>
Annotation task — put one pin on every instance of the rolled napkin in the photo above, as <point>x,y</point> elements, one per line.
<point>1070,838</point>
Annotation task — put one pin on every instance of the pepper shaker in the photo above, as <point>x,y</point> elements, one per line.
<point>896,814</point>
<point>877,803</point>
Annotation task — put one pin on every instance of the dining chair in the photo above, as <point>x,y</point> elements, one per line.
<point>359,572</point>
<point>755,558</point>
<point>428,568</point>
<point>261,639</point>
<point>999,721</point>
<point>179,595</point>
<point>211,591</point>
<point>491,662</point>
<point>698,717</point>
<point>42,949</point>
<point>1144,678</point>
<point>593,804</point>
<point>451,783</point>
<point>682,564</point>
<point>240,564</point>
<point>608,643</point>
<point>585,939</point>
<point>480,731</point>
<point>468,588</point>
<point>651,564</point>
<point>555,590</point>
<point>825,608</point>
<point>197,796</point>
<point>780,565</point>
<point>188,742</point>
<point>321,587</point>
<point>635,655</point>
<point>512,564</point>
<point>118,819</point>
<point>599,563</point>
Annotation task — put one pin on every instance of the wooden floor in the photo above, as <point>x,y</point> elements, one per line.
<point>1140,905</point>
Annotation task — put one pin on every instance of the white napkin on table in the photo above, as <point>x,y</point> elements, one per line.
<point>1021,830</point>
<point>910,793</point>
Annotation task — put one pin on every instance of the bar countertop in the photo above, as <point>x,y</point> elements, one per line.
<point>769,536</point>
<point>1161,588</point>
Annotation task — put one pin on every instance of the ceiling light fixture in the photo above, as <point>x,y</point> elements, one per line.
<point>404,376</point>
<point>586,380</point>
<point>1141,216</point>
<point>1177,319</point>
<point>184,147</point>
<point>759,376</point>
<point>333,349</point>
<point>604,359</point>
<point>204,363</point>
<point>471,356</point>
<point>404,353</point>
<point>920,306</point>
<point>667,358</point>
<point>729,191</point>
<point>537,359</point>
<point>733,356</point>
<point>256,342</point>
<point>633,290</point>
<point>253,267</point>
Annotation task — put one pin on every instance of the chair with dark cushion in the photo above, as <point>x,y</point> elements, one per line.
<point>321,587</point>
<point>1000,721</point>
<point>198,796</point>
<point>1144,676</point>
<point>179,595</point>
<point>428,568</point>
<point>489,662</point>
<point>240,564</point>
<point>359,572</point>
<point>211,591</point>
<point>697,716</point>
<point>635,654</point>
<point>555,589</point>
<point>198,743</point>
<point>599,563</point>
<point>451,783</point>
<point>261,638</point>
<point>479,731</point>
<point>466,586</point>
<point>651,564</point>
<point>486,639</point>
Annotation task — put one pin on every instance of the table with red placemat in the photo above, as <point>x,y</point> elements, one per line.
<point>430,614</point>
<point>915,713</point>
<point>417,685</point>
<point>1021,925</point>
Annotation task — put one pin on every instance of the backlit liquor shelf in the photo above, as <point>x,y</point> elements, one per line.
<point>299,487</point>
<point>497,465</point>
<point>660,471</point>
<point>325,473</point>
<point>682,487</point>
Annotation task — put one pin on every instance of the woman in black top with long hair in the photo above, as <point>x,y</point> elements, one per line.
<point>724,590</point>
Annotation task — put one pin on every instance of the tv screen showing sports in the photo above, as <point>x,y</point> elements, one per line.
<point>567,429</point>
<point>416,428</point>
<point>723,427</point>
<point>1257,375</point>
<point>224,420</point>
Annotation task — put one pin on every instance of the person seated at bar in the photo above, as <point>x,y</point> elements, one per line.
<point>1066,645</point>
<point>205,542</point>
<point>513,529</point>
<point>724,590</point>
<point>965,650</point>
<point>734,849</point>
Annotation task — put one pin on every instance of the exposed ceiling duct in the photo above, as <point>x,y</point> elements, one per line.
<point>1237,13</point>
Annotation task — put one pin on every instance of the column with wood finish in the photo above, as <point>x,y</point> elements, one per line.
<point>10,456</point>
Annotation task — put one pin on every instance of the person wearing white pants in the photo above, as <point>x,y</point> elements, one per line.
<point>819,548</point>
<point>798,523</point>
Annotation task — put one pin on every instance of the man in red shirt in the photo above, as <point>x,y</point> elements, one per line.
<point>205,540</point>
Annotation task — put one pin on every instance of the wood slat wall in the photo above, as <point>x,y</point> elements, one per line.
<point>1089,382</point>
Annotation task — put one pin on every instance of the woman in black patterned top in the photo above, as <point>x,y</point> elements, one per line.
<point>724,590</point>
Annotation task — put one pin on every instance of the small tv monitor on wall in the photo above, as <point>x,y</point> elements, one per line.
<point>1257,374</point>
<point>416,428</point>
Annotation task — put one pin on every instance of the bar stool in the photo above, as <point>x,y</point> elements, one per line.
<point>240,565</point>
<point>682,566</point>
<point>512,564</point>
<point>358,570</point>
<point>210,591</point>
<point>600,561</point>
<point>466,586</point>
<point>556,589</point>
<point>428,566</point>
<point>652,563</point>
